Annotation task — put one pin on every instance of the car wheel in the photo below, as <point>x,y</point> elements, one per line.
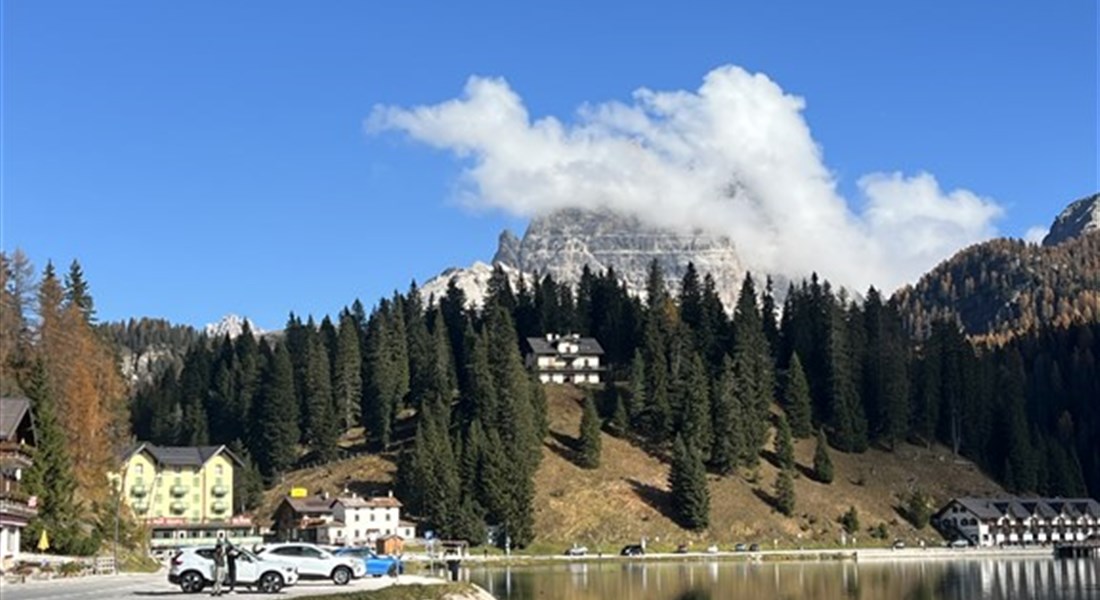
<point>271,583</point>
<point>341,575</point>
<point>192,582</point>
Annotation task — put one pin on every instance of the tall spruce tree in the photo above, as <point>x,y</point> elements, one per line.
<point>796,399</point>
<point>50,476</point>
<point>322,430</point>
<point>589,443</point>
<point>753,370</point>
<point>348,373</point>
<point>77,292</point>
<point>846,410</point>
<point>687,481</point>
<point>784,491</point>
<point>194,387</point>
<point>727,448</point>
<point>695,411</point>
<point>276,419</point>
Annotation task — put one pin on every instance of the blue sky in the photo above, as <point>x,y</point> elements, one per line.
<point>201,158</point>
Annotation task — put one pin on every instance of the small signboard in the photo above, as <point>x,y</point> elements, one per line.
<point>299,492</point>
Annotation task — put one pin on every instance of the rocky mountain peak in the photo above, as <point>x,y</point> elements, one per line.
<point>562,242</point>
<point>231,325</point>
<point>1079,218</point>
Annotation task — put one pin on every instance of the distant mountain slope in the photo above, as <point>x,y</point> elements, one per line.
<point>627,497</point>
<point>1003,287</point>
<point>1079,218</point>
<point>147,347</point>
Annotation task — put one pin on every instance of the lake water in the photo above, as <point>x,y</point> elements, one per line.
<point>973,579</point>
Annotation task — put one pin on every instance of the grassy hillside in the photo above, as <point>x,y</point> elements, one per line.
<point>627,497</point>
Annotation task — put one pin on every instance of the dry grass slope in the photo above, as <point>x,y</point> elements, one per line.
<point>626,498</point>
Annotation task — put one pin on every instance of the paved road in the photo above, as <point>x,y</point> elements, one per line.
<point>113,587</point>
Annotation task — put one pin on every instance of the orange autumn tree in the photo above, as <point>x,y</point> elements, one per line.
<point>83,372</point>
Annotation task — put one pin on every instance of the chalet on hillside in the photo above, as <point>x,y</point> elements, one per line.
<point>566,358</point>
<point>348,520</point>
<point>17,439</point>
<point>1014,520</point>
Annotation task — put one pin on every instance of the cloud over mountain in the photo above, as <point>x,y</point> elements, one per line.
<point>734,157</point>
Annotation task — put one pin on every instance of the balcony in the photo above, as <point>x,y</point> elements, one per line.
<point>178,507</point>
<point>141,506</point>
<point>15,454</point>
<point>178,490</point>
<point>139,491</point>
<point>219,507</point>
<point>14,501</point>
<point>220,490</point>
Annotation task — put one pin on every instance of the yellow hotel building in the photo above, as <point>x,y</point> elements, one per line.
<point>185,493</point>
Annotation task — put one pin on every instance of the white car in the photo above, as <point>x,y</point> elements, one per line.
<point>192,569</point>
<point>314,562</point>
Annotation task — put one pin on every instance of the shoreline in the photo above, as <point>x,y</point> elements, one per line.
<point>866,554</point>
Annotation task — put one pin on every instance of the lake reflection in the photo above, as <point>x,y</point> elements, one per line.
<point>1036,579</point>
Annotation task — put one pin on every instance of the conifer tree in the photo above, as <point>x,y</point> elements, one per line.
<point>276,418</point>
<point>194,387</point>
<point>348,373</point>
<point>796,399</point>
<point>727,447</point>
<point>753,370</point>
<point>379,382</point>
<point>50,477</point>
<point>823,465</point>
<point>846,410</point>
<point>480,401</point>
<point>784,447</point>
<point>77,292</point>
<point>687,481</point>
<point>784,491</point>
<point>695,411</point>
<point>322,430</point>
<point>589,446</point>
<point>657,413</point>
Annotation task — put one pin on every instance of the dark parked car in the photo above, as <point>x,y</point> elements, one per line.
<point>740,547</point>
<point>754,548</point>
<point>632,550</point>
<point>682,549</point>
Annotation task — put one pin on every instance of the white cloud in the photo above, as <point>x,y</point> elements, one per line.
<point>735,157</point>
<point>1035,235</point>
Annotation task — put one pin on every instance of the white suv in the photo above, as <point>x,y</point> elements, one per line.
<point>314,562</point>
<point>193,569</point>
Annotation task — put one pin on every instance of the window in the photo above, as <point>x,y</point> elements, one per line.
<point>309,552</point>
<point>288,551</point>
<point>357,518</point>
<point>177,470</point>
<point>218,470</point>
<point>139,468</point>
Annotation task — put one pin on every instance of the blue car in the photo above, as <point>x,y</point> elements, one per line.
<point>376,565</point>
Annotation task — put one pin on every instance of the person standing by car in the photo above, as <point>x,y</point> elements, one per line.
<point>219,567</point>
<point>231,554</point>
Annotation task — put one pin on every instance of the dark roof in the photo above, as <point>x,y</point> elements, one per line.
<point>585,345</point>
<point>1021,508</point>
<point>182,456</point>
<point>12,413</point>
<point>310,504</point>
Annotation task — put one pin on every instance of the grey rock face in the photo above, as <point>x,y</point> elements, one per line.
<point>563,242</point>
<point>1079,218</point>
